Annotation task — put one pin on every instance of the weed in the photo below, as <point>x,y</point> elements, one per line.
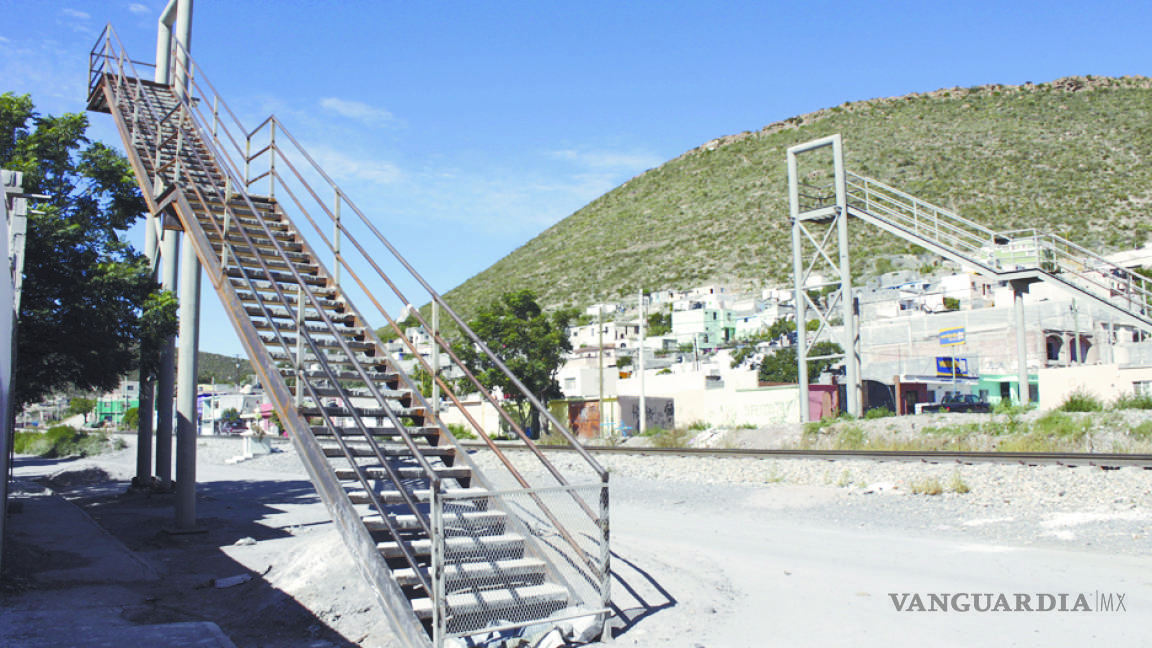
<point>877,412</point>
<point>698,426</point>
<point>774,476</point>
<point>1133,401</point>
<point>845,479</point>
<point>927,486</point>
<point>851,437</point>
<point>1081,400</point>
<point>671,438</point>
<point>63,441</point>
<point>1060,425</point>
<point>1142,431</point>
<point>957,484</point>
<point>460,432</point>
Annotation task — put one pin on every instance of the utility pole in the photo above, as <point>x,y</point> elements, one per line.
<point>643,423</point>
<point>600,399</point>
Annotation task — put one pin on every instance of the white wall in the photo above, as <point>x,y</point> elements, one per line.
<point>483,412</point>
<point>733,400</point>
<point>1105,381</point>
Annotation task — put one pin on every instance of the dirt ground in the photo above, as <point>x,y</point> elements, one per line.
<point>295,585</point>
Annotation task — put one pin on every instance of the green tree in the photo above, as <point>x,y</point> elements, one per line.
<point>530,342</point>
<point>84,288</point>
<point>81,406</point>
<point>659,323</point>
<point>780,367</point>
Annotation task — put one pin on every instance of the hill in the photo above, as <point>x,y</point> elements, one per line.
<point>214,367</point>
<point>1070,156</point>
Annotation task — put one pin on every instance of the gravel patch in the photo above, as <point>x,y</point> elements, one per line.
<point>1084,508</point>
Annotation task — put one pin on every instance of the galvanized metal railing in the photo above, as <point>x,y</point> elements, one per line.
<point>1003,252</point>
<point>924,220</point>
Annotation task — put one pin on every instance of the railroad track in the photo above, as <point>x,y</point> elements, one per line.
<point>1101,460</point>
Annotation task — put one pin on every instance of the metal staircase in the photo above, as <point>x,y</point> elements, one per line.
<point>1029,255</point>
<point>1015,255</point>
<point>450,551</point>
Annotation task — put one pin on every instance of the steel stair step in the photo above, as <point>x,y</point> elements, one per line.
<point>337,360</point>
<point>325,343</point>
<point>405,472</point>
<point>489,521</point>
<point>272,301</point>
<point>287,244</point>
<point>256,237</point>
<point>390,497</point>
<point>365,412</point>
<point>502,545</point>
<point>346,330</point>
<point>283,278</point>
<point>425,432</point>
<point>334,311</point>
<point>384,376</point>
<point>491,601</point>
<point>513,569</point>
<point>389,450</point>
<point>267,288</point>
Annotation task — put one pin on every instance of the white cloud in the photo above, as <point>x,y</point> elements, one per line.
<point>339,165</point>
<point>357,110</point>
<point>138,8</point>
<point>75,13</point>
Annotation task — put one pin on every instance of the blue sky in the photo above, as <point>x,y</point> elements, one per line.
<point>467,128</point>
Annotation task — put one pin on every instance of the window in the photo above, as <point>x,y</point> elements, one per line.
<point>1142,387</point>
<point>569,384</point>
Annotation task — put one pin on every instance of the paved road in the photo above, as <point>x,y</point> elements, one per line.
<point>760,578</point>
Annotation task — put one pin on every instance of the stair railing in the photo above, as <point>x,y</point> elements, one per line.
<point>595,566</point>
<point>924,219</point>
<point>1107,280</point>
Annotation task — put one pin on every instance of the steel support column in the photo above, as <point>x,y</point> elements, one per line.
<point>147,407</point>
<point>1024,389</point>
<point>799,300</point>
<point>808,212</point>
<point>186,423</point>
<point>166,377</point>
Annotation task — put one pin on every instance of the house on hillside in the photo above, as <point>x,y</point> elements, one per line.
<point>704,328</point>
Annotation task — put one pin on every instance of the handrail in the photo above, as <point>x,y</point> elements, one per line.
<point>276,149</point>
<point>1006,251</point>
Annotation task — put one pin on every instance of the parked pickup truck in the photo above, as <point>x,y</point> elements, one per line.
<point>957,403</point>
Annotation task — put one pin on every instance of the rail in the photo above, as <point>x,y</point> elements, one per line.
<point>1099,459</point>
<point>923,219</point>
<point>290,170</point>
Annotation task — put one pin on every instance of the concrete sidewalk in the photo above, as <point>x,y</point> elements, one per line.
<point>69,581</point>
